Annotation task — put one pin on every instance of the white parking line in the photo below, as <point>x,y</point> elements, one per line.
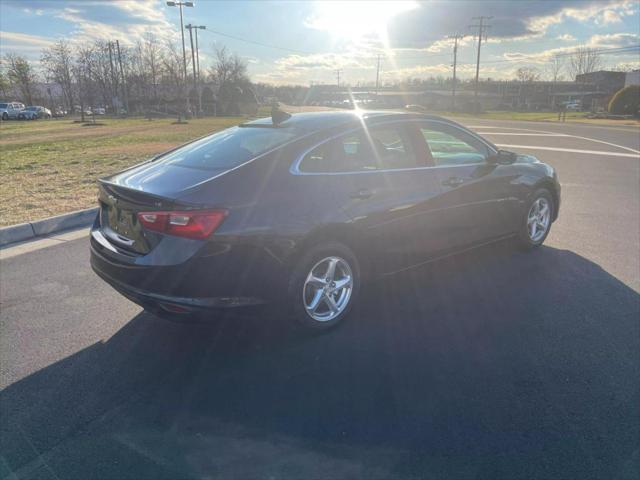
<point>568,135</point>
<point>572,150</point>
<point>526,134</point>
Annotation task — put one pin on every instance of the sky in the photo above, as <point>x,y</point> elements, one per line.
<point>296,42</point>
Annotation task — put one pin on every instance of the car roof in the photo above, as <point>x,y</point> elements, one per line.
<point>316,121</point>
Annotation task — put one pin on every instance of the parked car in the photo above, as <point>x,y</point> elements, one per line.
<point>28,114</point>
<point>301,209</point>
<point>41,112</point>
<point>10,110</point>
<point>99,111</point>
<point>573,106</point>
<point>59,112</point>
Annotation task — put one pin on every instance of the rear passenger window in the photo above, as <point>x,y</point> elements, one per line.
<point>450,146</point>
<point>378,148</point>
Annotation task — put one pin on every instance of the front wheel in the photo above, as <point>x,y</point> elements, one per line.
<point>5,116</point>
<point>324,286</point>
<point>536,223</point>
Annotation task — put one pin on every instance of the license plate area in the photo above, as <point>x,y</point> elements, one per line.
<point>122,221</point>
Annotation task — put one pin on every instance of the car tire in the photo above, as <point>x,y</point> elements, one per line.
<point>537,220</point>
<point>324,286</point>
<point>5,116</point>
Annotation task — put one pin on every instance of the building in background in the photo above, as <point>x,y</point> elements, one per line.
<point>632,78</point>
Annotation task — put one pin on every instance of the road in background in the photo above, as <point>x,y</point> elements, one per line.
<point>492,364</point>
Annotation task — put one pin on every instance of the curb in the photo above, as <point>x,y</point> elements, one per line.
<point>27,231</point>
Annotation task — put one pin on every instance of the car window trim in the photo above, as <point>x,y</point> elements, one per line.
<point>295,166</point>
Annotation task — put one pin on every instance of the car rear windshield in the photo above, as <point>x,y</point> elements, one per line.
<point>3,105</point>
<point>228,148</point>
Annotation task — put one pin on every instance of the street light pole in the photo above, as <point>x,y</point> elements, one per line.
<point>193,54</point>
<point>184,50</point>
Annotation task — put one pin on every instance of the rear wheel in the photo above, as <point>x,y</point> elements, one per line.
<point>5,116</point>
<point>537,220</point>
<point>324,286</point>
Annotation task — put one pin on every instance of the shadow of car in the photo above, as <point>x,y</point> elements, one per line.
<point>492,364</point>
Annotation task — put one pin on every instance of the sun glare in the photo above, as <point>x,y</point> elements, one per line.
<point>355,21</point>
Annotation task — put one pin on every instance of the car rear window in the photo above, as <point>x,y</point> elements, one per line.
<point>3,105</point>
<point>228,148</point>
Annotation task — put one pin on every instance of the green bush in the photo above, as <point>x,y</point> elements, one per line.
<point>626,101</point>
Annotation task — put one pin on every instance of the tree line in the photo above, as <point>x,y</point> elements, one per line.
<point>146,75</point>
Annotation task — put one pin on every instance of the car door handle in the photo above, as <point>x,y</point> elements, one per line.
<point>361,194</point>
<point>453,182</point>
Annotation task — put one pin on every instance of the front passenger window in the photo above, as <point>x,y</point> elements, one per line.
<point>453,148</point>
<point>378,148</point>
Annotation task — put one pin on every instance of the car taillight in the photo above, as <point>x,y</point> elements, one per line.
<point>196,224</point>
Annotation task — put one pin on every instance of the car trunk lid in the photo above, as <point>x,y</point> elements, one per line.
<point>119,207</point>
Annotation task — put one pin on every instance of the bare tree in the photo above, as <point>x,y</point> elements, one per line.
<point>21,74</point>
<point>82,72</point>
<point>172,63</point>
<point>584,60</point>
<point>57,62</point>
<point>554,68</point>
<point>152,59</point>
<point>625,67</point>
<point>4,83</point>
<point>527,74</point>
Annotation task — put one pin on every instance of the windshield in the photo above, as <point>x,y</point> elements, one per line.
<point>228,148</point>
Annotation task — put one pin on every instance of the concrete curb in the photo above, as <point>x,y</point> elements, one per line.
<point>27,231</point>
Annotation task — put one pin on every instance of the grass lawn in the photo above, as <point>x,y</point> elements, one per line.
<point>49,167</point>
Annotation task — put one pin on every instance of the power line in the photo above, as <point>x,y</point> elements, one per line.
<point>215,32</point>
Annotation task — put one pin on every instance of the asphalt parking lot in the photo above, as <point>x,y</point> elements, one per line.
<point>492,364</point>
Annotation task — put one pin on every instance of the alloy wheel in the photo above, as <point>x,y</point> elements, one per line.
<point>327,289</point>
<point>538,219</point>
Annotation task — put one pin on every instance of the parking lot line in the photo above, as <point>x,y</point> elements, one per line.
<point>572,150</point>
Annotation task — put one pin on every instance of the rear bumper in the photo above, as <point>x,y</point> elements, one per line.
<point>191,275</point>
<point>153,301</point>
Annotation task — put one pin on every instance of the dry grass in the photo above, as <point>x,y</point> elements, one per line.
<point>50,167</point>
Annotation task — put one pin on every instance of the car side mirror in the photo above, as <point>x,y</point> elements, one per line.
<point>503,157</point>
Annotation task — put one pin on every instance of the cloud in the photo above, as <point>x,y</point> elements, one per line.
<point>125,20</point>
<point>600,13</point>
<point>614,40</point>
<point>322,61</point>
<point>566,37</point>
<point>434,20</point>
<point>24,40</point>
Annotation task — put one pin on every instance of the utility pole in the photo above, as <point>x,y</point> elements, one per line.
<point>125,94</point>
<point>193,63</point>
<point>377,76</point>
<point>198,27</point>
<point>455,37</point>
<point>482,28</point>
<point>338,74</point>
